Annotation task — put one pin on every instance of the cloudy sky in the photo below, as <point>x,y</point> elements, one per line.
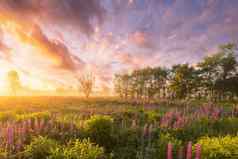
<point>50,43</point>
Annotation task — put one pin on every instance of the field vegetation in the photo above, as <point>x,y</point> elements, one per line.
<point>98,128</point>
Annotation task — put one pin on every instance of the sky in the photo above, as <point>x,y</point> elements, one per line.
<point>52,43</point>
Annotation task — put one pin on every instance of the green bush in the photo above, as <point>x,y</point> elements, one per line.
<point>206,127</point>
<point>127,142</point>
<point>40,148</point>
<point>99,129</point>
<point>7,116</point>
<point>219,147</point>
<point>83,150</point>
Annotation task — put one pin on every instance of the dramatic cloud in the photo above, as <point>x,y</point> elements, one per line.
<point>54,50</point>
<point>112,36</point>
<point>78,14</point>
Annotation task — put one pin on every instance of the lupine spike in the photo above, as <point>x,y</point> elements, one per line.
<point>198,151</point>
<point>189,151</point>
<point>10,135</point>
<point>170,151</point>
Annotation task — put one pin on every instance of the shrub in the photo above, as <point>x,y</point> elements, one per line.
<point>40,148</point>
<point>219,147</point>
<point>83,150</point>
<point>194,130</point>
<point>127,142</point>
<point>206,127</point>
<point>7,116</point>
<point>99,129</point>
<point>40,115</point>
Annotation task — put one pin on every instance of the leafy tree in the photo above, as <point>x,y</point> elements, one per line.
<point>215,77</point>
<point>182,80</point>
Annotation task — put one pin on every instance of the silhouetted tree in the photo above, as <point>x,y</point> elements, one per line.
<point>86,83</point>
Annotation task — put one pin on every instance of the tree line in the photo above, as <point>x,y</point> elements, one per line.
<point>215,77</point>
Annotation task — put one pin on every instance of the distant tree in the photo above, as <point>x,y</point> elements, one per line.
<point>217,71</point>
<point>182,80</point>
<point>118,85</point>
<point>14,82</point>
<point>215,77</point>
<point>86,83</point>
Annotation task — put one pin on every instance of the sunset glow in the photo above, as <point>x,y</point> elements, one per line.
<point>50,50</point>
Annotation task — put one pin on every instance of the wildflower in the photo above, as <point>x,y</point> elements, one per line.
<point>198,151</point>
<point>10,135</point>
<point>189,151</point>
<point>170,151</point>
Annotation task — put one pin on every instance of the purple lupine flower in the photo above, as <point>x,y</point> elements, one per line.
<point>198,151</point>
<point>10,135</point>
<point>189,150</point>
<point>170,151</point>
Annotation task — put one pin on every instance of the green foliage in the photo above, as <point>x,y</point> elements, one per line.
<point>83,150</point>
<point>215,77</point>
<point>99,129</point>
<point>161,145</point>
<point>44,148</point>
<point>127,142</point>
<point>40,148</point>
<point>45,115</point>
<point>219,147</point>
<point>206,127</point>
<point>7,116</point>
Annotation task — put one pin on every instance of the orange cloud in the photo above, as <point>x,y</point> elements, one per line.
<point>54,50</point>
<point>141,39</point>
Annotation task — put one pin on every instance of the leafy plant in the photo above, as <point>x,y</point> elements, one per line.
<point>40,148</point>
<point>219,147</point>
<point>83,150</point>
<point>99,129</point>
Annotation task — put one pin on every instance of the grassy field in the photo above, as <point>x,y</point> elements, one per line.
<point>72,128</point>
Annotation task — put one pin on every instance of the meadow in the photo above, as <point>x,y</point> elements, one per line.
<point>109,128</point>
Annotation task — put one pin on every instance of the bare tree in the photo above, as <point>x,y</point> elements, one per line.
<point>86,83</point>
<point>14,81</point>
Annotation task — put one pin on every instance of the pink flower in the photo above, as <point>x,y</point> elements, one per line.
<point>170,151</point>
<point>189,151</point>
<point>10,135</point>
<point>198,151</point>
